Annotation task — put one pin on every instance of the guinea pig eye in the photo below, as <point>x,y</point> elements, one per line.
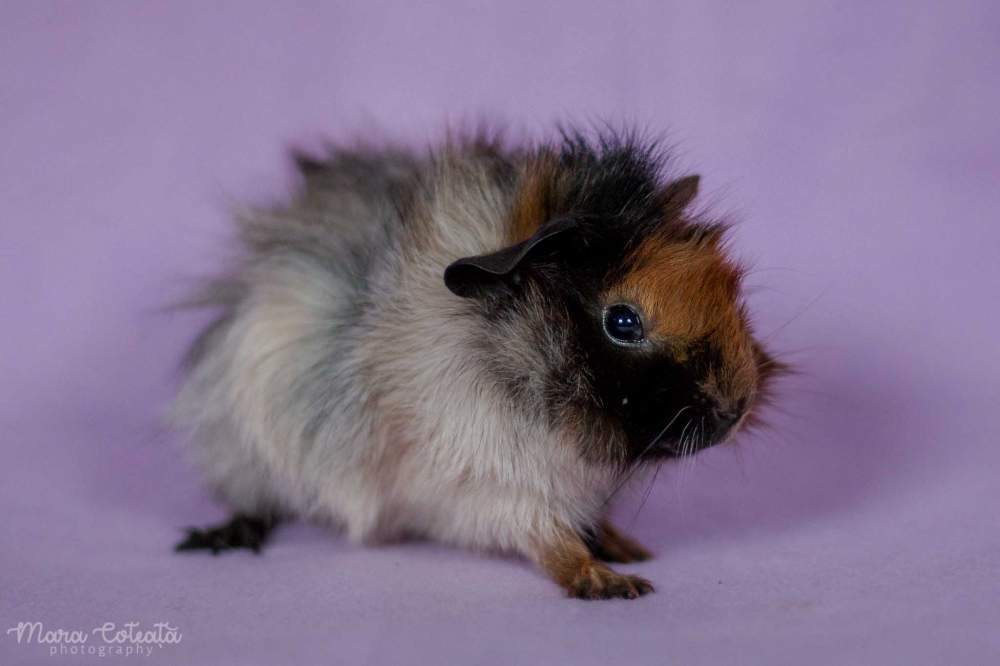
<point>623,324</point>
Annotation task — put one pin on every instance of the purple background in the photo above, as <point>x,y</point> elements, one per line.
<point>857,148</point>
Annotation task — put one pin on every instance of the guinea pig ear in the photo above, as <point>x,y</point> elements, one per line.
<point>470,277</point>
<point>679,193</point>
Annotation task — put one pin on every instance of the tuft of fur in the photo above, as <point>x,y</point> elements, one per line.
<point>342,382</point>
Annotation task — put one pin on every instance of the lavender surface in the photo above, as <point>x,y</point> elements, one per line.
<point>858,149</point>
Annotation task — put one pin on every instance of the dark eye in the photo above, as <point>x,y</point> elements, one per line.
<point>623,324</point>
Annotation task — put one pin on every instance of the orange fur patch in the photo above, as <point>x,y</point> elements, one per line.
<point>690,291</point>
<point>687,290</point>
<point>538,192</point>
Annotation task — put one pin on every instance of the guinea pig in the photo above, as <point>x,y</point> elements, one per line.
<point>477,345</point>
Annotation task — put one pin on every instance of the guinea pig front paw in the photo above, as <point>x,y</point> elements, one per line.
<point>597,581</point>
<point>568,560</point>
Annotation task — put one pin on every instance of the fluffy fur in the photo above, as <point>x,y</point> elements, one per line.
<point>343,382</point>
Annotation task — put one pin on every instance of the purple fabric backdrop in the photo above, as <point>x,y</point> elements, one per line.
<point>859,150</point>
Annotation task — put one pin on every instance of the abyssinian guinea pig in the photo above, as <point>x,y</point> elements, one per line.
<point>478,345</point>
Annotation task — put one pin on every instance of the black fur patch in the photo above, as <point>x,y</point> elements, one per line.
<point>239,532</point>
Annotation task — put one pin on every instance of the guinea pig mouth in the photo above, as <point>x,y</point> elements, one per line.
<point>695,434</point>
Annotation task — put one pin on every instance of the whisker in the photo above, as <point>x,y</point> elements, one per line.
<point>629,474</point>
<point>770,336</point>
<point>649,490</point>
<point>692,449</point>
<point>685,443</point>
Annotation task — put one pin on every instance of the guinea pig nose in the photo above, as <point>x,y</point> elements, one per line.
<point>725,418</point>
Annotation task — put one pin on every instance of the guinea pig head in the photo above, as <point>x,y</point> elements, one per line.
<point>659,359</point>
<point>683,365</point>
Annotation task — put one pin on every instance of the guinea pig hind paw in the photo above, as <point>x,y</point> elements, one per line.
<point>240,531</point>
